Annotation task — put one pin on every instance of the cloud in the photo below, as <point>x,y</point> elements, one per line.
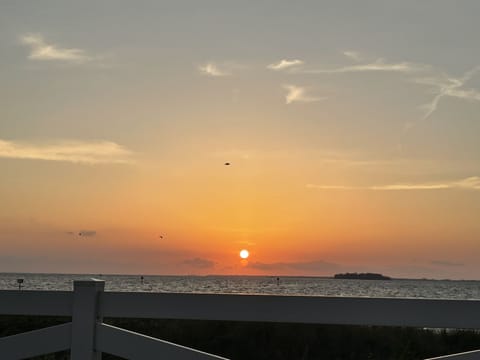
<point>412,187</point>
<point>446,86</point>
<point>284,64</point>
<point>211,69</point>
<point>94,152</point>
<point>353,55</point>
<point>442,84</point>
<point>43,51</point>
<point>470,183</point>
<point>317,266</point>
<point>298,94</point>
<point>200,263</point>
<point>378,65</point>
<point>446,263</point>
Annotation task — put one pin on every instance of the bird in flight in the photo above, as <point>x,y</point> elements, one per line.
<point>227,164</point>
<point>87,233</point>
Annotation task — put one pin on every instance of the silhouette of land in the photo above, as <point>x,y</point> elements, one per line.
<point>362,276</point>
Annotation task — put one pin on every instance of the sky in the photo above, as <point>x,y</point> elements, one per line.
<point>351,129</point>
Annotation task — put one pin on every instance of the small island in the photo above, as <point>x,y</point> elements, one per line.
<point>362,276</point>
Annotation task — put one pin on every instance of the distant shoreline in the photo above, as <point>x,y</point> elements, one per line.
<point>217,275</point>
<point>362,276</point>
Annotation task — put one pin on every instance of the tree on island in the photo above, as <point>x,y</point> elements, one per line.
<point>362,276</point>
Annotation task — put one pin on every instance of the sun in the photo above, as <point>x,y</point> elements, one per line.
<point>244,254</point>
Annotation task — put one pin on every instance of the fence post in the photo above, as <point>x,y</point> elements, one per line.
<point>85,314</point>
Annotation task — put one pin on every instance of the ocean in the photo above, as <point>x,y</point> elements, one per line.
<point>311,286</point>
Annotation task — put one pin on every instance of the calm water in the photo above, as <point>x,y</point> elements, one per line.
<point>437,289</point>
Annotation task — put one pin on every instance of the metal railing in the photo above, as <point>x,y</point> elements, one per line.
<point>87,336</point>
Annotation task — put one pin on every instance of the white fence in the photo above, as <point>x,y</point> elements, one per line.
<point>87,336</point>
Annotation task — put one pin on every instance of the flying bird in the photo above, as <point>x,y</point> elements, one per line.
<point>227,164</point>
<point>87,233</point>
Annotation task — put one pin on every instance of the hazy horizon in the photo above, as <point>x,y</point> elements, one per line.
<point>350,131</point>
<point>273,276</point>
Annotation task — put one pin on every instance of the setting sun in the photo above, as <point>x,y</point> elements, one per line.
<point>244,254</point>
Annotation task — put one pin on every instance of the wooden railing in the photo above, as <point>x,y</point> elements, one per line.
<point>87,336</point>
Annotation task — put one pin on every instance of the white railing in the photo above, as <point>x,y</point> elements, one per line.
<point>87,336</point>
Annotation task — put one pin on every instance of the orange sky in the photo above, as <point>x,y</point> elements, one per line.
<point>352,148</point>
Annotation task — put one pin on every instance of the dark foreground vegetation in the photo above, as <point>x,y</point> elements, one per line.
<point>268,341</point>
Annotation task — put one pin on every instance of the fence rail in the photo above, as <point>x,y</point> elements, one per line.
<point>295,309</point>
<point>130,345</point>
<point>469,355</point>
<point>28,302</point>
<point>88,337</point>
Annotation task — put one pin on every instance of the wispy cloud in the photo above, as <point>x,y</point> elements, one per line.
<point>470,183</point>
<point>41,50</point>
<point>200,263</point>
<point>93,152</point>
<point>212,69</point>
<point>379,65</point>
<point>285,64</point>
<point>299,94</point>
<point>444,86</point>
<point>353,55</point>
